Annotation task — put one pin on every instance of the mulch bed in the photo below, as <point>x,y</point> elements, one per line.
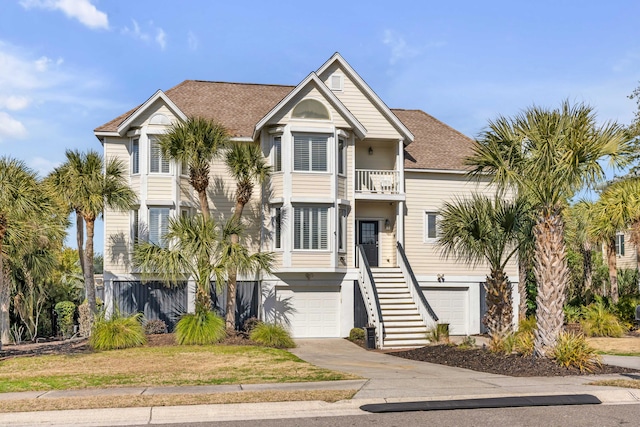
<point>482,360</point>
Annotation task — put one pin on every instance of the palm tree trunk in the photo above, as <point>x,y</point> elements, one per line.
<point>550,268</point>
<point>587,269</point>
<point>230,315</point>
<point>89,283</point>
<point>203,299</point>
<point>204,203</point>
<point>523,267</point>
<point>499,317</point>
<point>613,269</point>
<point>80,239</point>
<point>4,289</point>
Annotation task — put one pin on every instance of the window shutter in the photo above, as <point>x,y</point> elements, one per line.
<point>322,228</point>
<point>278,228</point>
<point>301,154</point>
<point>319,154</point>
<point>154,161</point>
<point>297,220</point>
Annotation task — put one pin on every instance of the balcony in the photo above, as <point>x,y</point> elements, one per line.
<point>378,184</point>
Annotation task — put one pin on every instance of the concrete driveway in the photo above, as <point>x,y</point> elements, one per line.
<point>397,378</point>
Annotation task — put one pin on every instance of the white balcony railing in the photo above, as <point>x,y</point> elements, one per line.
<point>369,181</point>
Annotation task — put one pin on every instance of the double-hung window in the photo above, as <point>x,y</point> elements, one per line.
<point>431,226</point>
<point>277,227</point>
<point>342,230</point>
<point>620,244</point>
<point>342,156</point>
<point>277,154</point>
<point>158,225</point>
<point>310,153</point>
<point>310,227</point>
<point>157,162</point>
<point>135,156</point>
<point>135,226</point>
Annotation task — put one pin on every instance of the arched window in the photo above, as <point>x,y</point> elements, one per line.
<point>310,109</point>
<point>159,119</point>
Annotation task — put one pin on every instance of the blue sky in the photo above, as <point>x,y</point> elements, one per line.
<point>68,66</point>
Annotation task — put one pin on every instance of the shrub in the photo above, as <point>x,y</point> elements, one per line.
<point>468,342</point>
<point>572,350</point>
<point>356,334</point>
<point>438,333</point>
<point>117,332</point>
<point>65,311</point>
<point>598,321</point>
<point>155,326</point>
<point>251,323</point>
<point>572,313</point>
<point>200,329</point>
<point>272,335</point>
<point>625,309</point>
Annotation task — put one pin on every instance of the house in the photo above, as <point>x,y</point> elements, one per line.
<point>350,211</point>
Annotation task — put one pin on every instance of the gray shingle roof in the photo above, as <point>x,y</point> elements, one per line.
<point>239,106</point>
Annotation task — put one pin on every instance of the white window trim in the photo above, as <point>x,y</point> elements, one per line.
<point>344,157</point>
<point>425,228</point>
<point>620,245</point>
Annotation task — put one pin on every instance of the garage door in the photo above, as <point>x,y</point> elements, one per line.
<point>451,306</point>
<point>315,312</point>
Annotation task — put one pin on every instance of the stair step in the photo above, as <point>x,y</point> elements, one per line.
<point>404,331</point>
<point>394,291</point>
<point>412,323</point>
<point>407,336</point>
<point>401,317</point>
<point>398,306</point>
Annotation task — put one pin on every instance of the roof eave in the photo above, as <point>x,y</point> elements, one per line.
<point>124,126</point>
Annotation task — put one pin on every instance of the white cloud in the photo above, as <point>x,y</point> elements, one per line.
<point>42,166</point>
<point>192,40</point>
<point>13,102</point>
<point>161,38</point>
<point>11,128</point>
<point>82,10</point>
<point>137,33</point>
<point>400,49</point>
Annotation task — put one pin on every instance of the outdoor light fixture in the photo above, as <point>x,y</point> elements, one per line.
<point>440,278</point>
<point>370,150</point>
<point>387,225</point>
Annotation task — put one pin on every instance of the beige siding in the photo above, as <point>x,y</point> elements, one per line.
<point>628,260</point>
<point>361,106</point>
<point>160,187</point>
<point>342,187</point>
<point>427,192</point>
<point>153,109</point>
<point>276,187</point>
<point>284,115</point>
<point>383,157</point>
<point>118,148</point>
<point>187,193</point>
<point>311,259</point>
<point>117,245</point>
<point>311,184</point>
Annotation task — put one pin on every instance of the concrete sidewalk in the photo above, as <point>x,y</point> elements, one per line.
<point>389,379</point>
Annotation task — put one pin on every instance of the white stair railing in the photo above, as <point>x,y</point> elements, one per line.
<point>426,312</point>
<point>370,296</point>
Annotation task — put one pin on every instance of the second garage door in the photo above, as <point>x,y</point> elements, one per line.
<point>451,306</point>
<point>315,311</point>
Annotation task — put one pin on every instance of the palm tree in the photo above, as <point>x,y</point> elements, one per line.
<point>200,249</point>
<point>579,220</point>
<point>25,209</point>
<point>96,184</point>
<point>616,210</point>
<point>548,155</point>
<point>195,142</point>
<point>247,166</point>
<point>478,230</point>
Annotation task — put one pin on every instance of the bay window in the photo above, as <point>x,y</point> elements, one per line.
<point>310,226</point>
<point>310,153</point>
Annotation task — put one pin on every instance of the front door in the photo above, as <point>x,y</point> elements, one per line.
<point>368,238</point>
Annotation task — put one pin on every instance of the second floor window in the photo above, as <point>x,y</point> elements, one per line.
<point>157,163</point>
<point>342,158</point>
<point>310,153</point>
<point>135,156</point>
<point>277,154</point>
<point>620,244</point>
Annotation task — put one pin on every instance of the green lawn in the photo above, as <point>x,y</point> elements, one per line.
<point>160,366</point>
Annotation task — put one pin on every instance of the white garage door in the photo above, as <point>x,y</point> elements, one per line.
<point>315,311</point>
<point>451,306</point>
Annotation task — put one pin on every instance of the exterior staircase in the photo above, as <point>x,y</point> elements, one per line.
<point>404,328</point>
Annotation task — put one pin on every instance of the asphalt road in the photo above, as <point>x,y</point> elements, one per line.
<point>561,416</point>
